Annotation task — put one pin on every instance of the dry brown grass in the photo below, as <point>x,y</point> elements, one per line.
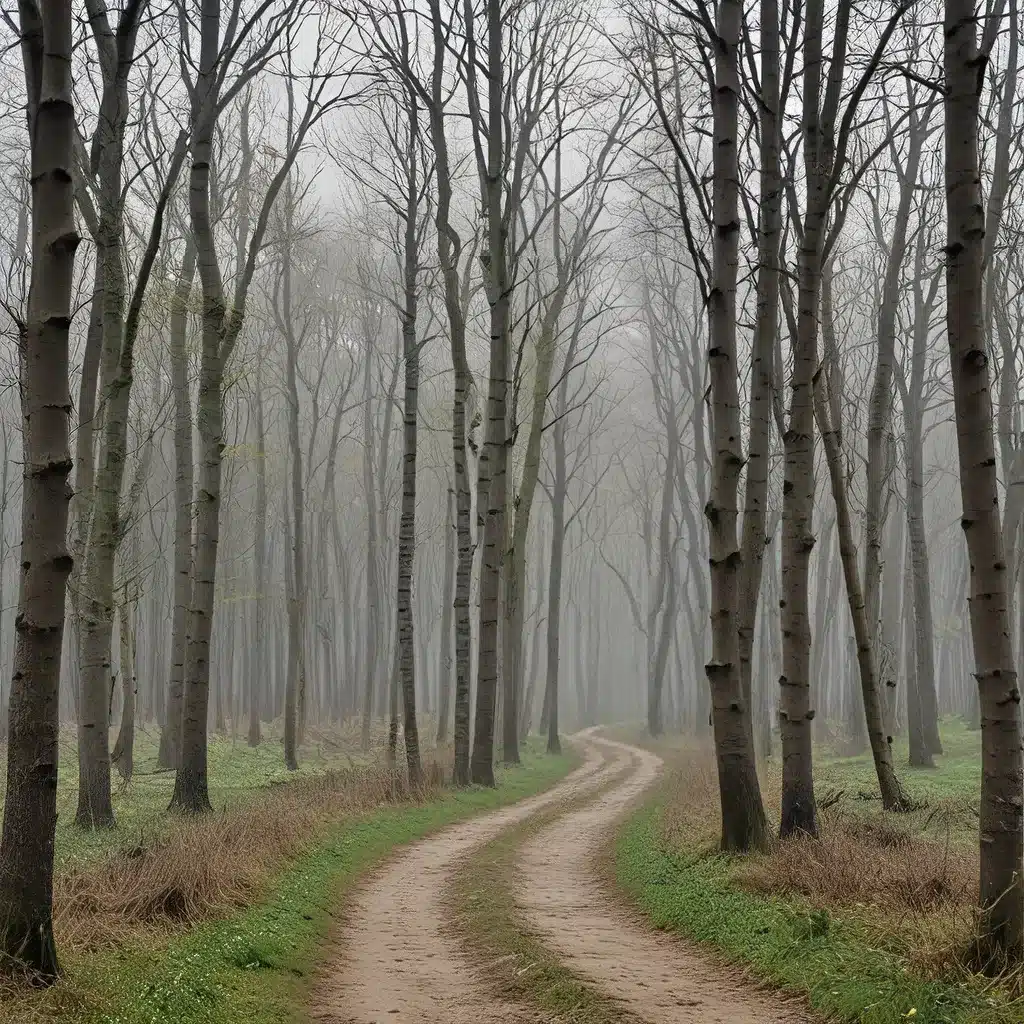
<point>910,881</point>
<point>205,867</point>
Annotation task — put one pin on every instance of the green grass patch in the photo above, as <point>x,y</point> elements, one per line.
<point>955,781</point>
<point>522,967</point>
<point>255,967</point>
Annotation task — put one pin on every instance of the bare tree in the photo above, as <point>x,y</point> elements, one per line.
<point>743,820</point>
<point>30,806</point>
<point>222,321</point>
<point>1002,810</point>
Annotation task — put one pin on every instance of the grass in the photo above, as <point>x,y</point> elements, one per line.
<point>869,922</point>
<point>254,962</point>
<point>519,964</point>
<point>237,773</point>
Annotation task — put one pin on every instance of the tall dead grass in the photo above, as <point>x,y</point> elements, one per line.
<point>910,881</point>
<point>205,867</point>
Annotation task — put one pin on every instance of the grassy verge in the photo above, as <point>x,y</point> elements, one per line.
<point>867,922</point>
<point>254,966</point>
<point>520,965</point>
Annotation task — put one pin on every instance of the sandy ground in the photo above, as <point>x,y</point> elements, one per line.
<point>397,962</point>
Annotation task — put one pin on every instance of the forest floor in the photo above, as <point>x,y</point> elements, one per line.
<point>224,918</point>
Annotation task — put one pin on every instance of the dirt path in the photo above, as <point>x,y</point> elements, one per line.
<point>396,961</point>
<point>654,975</point>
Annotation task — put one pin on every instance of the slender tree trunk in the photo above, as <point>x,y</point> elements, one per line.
<point>96,597</point>
<point>893,798</point>
<point>763,351</point>
<point>799,811</point>
<point>30,805</point>
<point>1001,935</point>
<point>526,708</point>
<point>373,609</point>
<point>191,786</point>
<point>920,755</point>
<point>491,479</point>
<point>449,252</point>
<point>405,638</point>
<point>555,585</point>
<point>260,558</point>
<point>444,656</point>
<point>744,825</point>
<point>170,737</point>
<point>295,692</point>
<point>124,749</point>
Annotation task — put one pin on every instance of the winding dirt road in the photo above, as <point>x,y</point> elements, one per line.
<point>398,962</point>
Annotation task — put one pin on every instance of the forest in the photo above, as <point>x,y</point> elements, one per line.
<point>485,484</point>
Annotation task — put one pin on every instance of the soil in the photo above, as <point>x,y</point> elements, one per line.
<point>398,963</point>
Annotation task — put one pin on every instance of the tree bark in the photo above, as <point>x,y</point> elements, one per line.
<point>555,575</point>
<point>445,650</point>
<point>123,754</point>
<point>491,478</point>
<point>762,354</point>
<point>295,691</point>
<point>95,599</point>
<point>744,825</point>
<point>170,737</point>
<point>799,811</point>
<point>30,808</point>
<point>880,401</point>
<point>405,638</point>
<point>260,560</point>
<point>1001,933</point>
<point>373,596</point>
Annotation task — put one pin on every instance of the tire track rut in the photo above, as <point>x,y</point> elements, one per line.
<point>398,962</point>
<point>657,976</point>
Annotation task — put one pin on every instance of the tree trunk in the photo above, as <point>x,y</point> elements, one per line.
<point>30,808</point>
<point>491,478</point>
<point>799,811</point>
<point>124,749</point>
<point>1001,932</point>
<point>191,788</point>
<point>550,714</point>
<point>880,401</point>
<point>260,559</point>
<point>763,352</point>
<point>449,251</point>
<point>170,737</point>
<point>744,825</point>
<point>444,656</point>
<point>893,798</point>
<point>373,610</point>
<point>405,638</point>
<point>295,691</point>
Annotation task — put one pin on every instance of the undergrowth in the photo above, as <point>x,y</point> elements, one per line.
<point>237,772</point>
<point>247,954</point>
<point>871,921</point>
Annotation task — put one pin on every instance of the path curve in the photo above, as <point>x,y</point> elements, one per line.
<point>657,976</point>
<point>397,962</point>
